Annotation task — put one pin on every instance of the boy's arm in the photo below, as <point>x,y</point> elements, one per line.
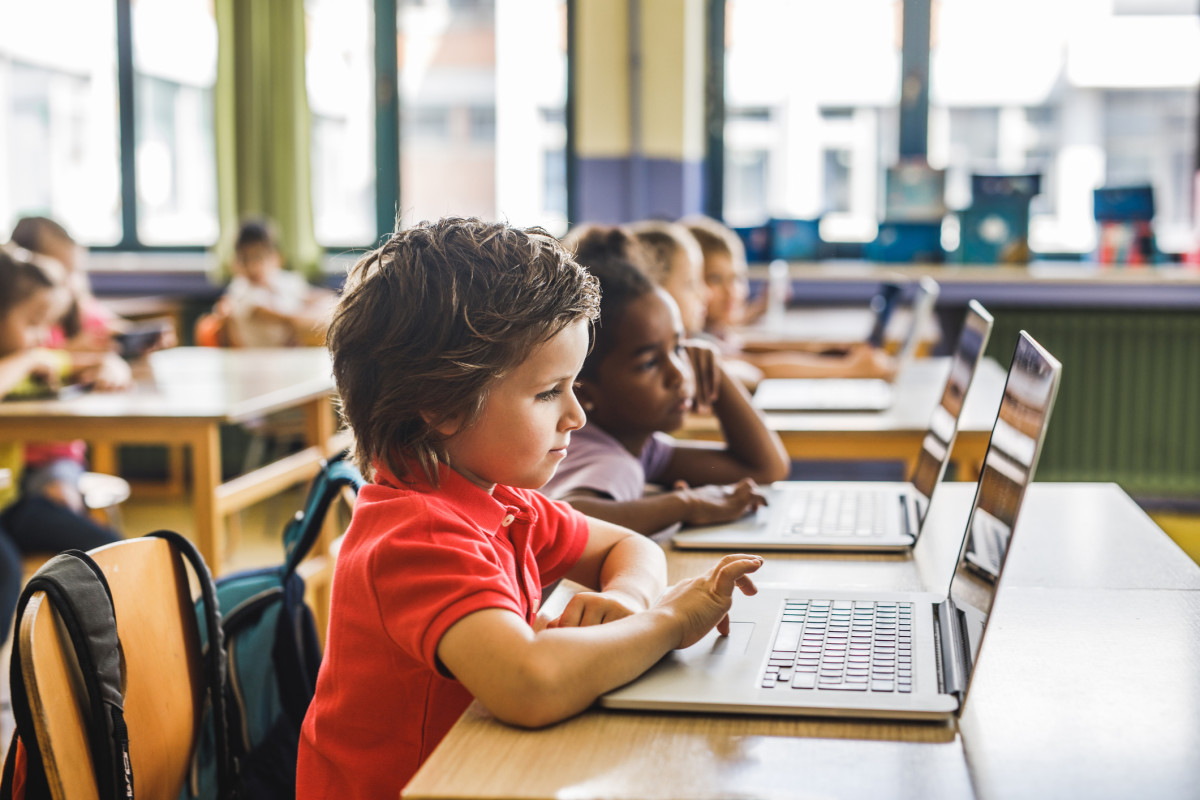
<point>628,572</point>
<point>752,450</point>
<point>535,679</point>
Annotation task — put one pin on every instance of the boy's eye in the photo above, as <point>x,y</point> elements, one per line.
<point>549,394</point>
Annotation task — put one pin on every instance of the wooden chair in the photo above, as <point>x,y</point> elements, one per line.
<point>164,692</point>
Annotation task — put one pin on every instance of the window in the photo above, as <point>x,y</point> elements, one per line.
<point>811,91</point>
<point>59,140</point>
<point>482,91</point>
<point>1091,101</point>
<point>339,72</point>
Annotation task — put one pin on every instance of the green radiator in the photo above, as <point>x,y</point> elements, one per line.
<point>1128,407</point>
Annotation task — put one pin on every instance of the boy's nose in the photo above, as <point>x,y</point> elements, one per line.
<point>575,417</point>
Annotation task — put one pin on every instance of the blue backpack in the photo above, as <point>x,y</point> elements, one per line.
<point>272,656</point>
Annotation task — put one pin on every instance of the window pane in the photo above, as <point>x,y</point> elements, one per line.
<point>483,89</point>
<point>340,72</point>
<point>1101,94</point>
<point>811,90</point>
<point>59,152</point>
<point>175,67</point>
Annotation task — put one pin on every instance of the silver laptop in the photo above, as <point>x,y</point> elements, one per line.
<point>850,394</point>
<point>859,515</point>
<point>798,651</point>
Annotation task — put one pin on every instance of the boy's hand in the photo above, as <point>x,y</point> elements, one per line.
<point>708,505</point>
<point>706,366</point>
<point>704,601</point>
<point>595,608</point>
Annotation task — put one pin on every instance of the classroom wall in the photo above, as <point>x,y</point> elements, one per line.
<point>639,108</point>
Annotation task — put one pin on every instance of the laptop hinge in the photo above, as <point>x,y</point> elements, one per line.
<point>907,505</point>
<point>950,637</point>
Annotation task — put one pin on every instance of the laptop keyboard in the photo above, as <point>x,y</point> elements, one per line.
<point>848,645</point>
<point>836,513</point>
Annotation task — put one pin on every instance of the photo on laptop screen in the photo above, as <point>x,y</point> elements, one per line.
<point>797,650</point>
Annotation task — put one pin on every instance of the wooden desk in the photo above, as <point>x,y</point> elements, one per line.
<point>1123,606</point>
<point>827,328</point>
<point>892,435</point>
<point>181,396</point>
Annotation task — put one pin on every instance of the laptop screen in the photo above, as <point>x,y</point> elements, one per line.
<point>924,299</point>
<point>943,424</point>
<point>1008,468</point>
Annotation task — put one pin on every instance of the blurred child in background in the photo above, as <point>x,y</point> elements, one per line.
<point>31,297</point>
<point>724,260</point>
<point>266,305</point>
<point>640,379</point>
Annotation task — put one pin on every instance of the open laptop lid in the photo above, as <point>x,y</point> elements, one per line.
<point>924,299</point>
<point>883,304</point>
<point>943,423</point>
<point>1008,468</point>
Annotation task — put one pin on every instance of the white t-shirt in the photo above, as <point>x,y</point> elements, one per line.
<point>285,293</point>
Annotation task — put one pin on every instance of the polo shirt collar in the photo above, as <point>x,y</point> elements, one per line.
<point>487,510</point>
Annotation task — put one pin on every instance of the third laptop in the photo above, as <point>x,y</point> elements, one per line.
<point>859,515</point>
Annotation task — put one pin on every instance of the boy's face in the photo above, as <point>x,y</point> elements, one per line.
<point>257,261</point>
<point>645,382</point>
<point>522,435</point>
<point>685,283</point>
<point>727,284</point>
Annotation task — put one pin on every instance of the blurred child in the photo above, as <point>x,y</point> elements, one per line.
<point>725,274</point>
<point>639,380</point>
<point>265,304</point>
<point>675,262</point>
<point>455,349</point>
<point>29,300</point>
<point>53,469</point>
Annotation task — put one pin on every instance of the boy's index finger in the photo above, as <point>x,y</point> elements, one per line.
<point>733,568</point>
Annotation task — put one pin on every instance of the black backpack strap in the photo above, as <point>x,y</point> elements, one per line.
<point>304,529</point>
<point>75,586</point>
<point>215,666</point>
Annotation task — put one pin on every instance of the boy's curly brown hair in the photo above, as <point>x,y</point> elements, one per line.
<point>429,320</point>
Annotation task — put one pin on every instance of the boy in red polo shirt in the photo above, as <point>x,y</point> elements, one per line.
<point>455,349</point>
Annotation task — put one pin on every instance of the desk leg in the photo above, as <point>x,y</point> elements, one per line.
<point>206,476</point>
<point>319,423</point>
<point>319,429</point>
<point>104,458</point>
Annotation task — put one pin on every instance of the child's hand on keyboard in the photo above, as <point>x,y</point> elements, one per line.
<point>708,505</point>
<point>704,601</point>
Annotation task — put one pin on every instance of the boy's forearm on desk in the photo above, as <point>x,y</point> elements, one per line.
<point>533,680</point>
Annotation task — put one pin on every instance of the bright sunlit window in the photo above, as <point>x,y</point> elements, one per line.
<point>482,89</point>
<point>339,69</point>
<point>59,140</point>
<point>175,67</point>
<point>1086,92</point>
<point>811,94</point>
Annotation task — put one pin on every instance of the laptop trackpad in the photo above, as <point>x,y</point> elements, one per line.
<point>713,644</point>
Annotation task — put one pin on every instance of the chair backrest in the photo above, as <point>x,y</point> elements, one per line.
<point>156,622</point>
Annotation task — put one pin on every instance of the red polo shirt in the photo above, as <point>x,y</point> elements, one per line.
<point>415,561</point>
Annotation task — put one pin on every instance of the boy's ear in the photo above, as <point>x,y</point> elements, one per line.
<point>447,426</point>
